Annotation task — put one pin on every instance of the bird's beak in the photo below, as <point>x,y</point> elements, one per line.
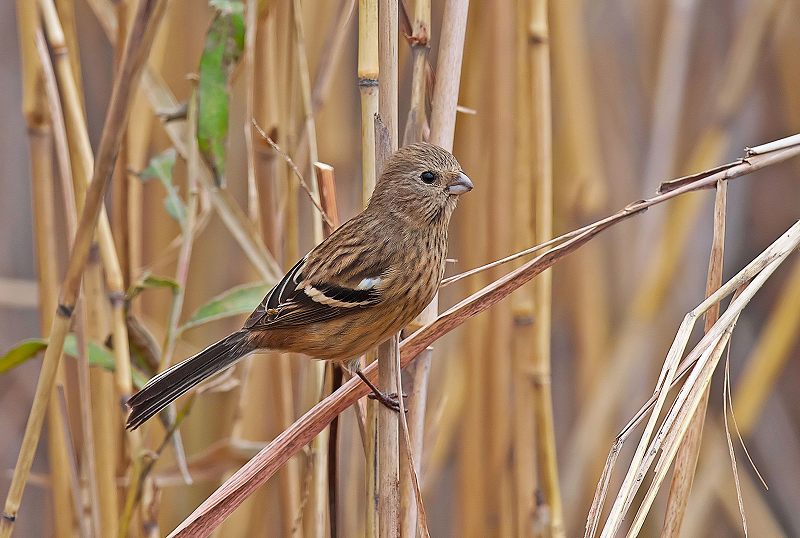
<point>459,184</point>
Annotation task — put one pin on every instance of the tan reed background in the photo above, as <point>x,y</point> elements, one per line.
<point>568,111</point>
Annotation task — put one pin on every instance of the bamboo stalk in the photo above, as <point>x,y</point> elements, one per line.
<point>368,75</point>
<point>91,329</point>
<point>386,135</point>
<point>523,335</point>
<point>136,51</point>
<point>387,434</point>
<point>251,35</point>
<point>442,125</point>
<point>417,402</point>
<point>541,143</point>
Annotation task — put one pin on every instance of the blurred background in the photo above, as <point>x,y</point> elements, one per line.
<point>641,92</point>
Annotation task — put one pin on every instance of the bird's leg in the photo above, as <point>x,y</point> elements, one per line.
<point>389,400</point>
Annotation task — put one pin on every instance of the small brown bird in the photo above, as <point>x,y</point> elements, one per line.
<point>365,282</point>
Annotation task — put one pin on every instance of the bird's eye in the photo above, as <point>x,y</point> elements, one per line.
<point>427,177</point>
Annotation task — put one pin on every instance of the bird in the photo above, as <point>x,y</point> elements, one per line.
<point>366,281</point>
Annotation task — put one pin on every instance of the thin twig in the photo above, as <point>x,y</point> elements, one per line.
<point>296,171</point>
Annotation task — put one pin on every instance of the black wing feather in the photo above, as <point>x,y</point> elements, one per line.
<point>287,306</point>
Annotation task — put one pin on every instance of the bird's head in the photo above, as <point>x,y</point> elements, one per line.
<point>421,181</point>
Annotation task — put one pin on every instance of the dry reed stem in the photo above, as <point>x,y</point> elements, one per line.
<point>413,435</point>
<point>318,505</point>
<point>136,50</point>
<point>312,193</point>
<point>522,303</point>
<point>82,163</point>
<point>387,434</point>
<point>764,365</point>
<point>706,353</point>
<point>120,184</point>
<point>451,56</point>
<point>578,149</point>
<point>94,423</point>
<point>686,459</point>
<point>259,469</point>
<point>326,186</point>
<point>494,352</point>
<point>420,524</point>
<point>272,189</point>
<point>331,53</point>
<point>368,74</point>
<point>251,31</point>
<point>308,112</point>
<point>541,140</point>
<point>100,490</point>
<point>40,127</point>
<point>673,66</point>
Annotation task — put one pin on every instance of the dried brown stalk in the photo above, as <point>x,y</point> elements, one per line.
<point>686,459</point>
<point>368,74</point>
<point>414,425</point>
<point>542,161</point>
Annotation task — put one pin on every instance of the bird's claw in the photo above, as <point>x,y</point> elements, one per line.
<point>391,401</point>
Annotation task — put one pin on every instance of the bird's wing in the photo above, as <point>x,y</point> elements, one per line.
<point>301,298</point>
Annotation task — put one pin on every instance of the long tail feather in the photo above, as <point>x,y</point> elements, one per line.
<point>167,386</point>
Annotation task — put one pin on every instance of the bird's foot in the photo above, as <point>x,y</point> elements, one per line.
<point>391,401</point>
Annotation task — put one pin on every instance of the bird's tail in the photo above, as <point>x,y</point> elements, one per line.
<point>167,386</point>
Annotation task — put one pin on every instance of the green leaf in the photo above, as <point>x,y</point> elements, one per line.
<point>21,352</point>
<point>160,168</point>
<point>99,356</point>
<point>235,301</point>
<point>223,49</point>
<point>228,6</point>
<point>149,281</point>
